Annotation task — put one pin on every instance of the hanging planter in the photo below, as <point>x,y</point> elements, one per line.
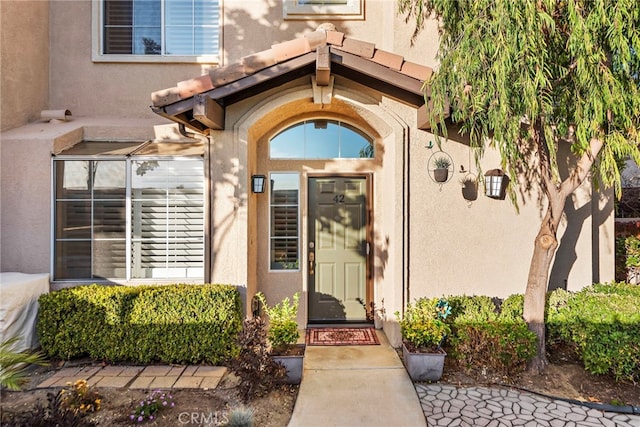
<point>469,187</point>
<point>441,166</point>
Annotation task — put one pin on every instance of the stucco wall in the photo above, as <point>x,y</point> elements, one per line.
<point>24,49</point>
<point>114,89</point>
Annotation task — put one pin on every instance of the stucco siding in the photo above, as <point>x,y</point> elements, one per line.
<point>24,49</point>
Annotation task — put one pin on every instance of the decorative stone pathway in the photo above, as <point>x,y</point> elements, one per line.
<point>446,405</point>
<point>139,377</point>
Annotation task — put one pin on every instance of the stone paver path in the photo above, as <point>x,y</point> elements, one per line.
<point>446,405</point>
<point>139,377</point>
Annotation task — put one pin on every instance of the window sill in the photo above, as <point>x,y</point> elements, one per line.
<point>156,59</point>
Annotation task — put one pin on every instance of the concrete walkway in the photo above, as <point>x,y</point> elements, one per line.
<point>356,386</point>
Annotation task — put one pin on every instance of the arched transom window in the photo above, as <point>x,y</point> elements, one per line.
<point>321,139</point>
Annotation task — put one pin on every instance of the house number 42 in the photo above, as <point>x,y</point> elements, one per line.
<point>338,198</point>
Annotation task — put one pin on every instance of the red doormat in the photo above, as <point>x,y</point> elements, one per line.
<point>342,336</point>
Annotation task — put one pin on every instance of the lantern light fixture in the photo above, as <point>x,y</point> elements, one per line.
<point>495,182</point>
<point>257,183</point>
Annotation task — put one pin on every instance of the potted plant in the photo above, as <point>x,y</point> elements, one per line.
<point>283,335</point>
<point>469,188</point>
<point>441,172</point>
<point>424,330</point>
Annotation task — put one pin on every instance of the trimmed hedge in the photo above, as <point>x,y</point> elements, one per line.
<point>603,322</point>
<point>171,324</point>
<point>483,337</point>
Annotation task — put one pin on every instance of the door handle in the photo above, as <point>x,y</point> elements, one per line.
<point>312,263</point>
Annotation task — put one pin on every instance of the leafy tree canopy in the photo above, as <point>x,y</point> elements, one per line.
<point>522,71</point>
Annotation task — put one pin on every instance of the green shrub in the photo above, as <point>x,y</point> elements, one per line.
<point>283,325</point>
<point>422,326</point>
<point>512,308</point>
<point>485,337</point>
<point>501,347</point>
<point>478,308</point>
<point>603,322</point>
<point>172,324</point>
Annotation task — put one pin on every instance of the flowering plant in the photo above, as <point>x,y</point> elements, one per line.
<point>423,326</point>
<point>80,398</point>
<point>151,405</point>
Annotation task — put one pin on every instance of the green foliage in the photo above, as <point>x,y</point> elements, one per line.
<point>477,308</point>
<point>570,68</point>
<point>442,162</point>
<point>502,347</point>
<point>256,370</point>
<point>283,325</point>
<point>148,408</point>
<point>421,326</point>
<point>604,323</point>
<point>13,364</point>
<point>486,337</point>
<point>511,308</point>
<point>172,324</point>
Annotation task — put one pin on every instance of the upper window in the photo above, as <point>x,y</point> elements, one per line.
<point>324,9</point>
<point>149,30</point>
<point>321,139</point>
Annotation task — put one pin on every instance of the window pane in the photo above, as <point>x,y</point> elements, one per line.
<point>118,41</point>
<point>206,40</point>
<point>109,219</point>
<point>147,13</point>
<point>73,260</point>
<point>73,219</point>
<point>167,219</point>
<point>207,12</point>
<point>118,12</point>
<point>109,258</point>
<point>288,144</point>
<point>72,179</point>
<point>321,139</point>
<point>179,40</point>
<point>179,12</point>
<point>284,253</point>
<point>148,41</point>
<point>109,179</point>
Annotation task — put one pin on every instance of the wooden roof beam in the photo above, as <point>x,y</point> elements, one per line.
<point>323,65</point>
<point>208,112</point>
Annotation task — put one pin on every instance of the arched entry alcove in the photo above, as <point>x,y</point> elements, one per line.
<point>380,182</point>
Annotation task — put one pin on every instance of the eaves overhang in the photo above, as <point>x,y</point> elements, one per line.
<point>199,103</point>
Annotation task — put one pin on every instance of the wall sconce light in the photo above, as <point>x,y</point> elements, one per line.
<point>495,182</point>
<point>257,183</point>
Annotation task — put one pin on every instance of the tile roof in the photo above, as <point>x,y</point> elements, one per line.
<point>282,53</point>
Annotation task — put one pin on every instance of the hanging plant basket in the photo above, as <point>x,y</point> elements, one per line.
<point>440,167</point>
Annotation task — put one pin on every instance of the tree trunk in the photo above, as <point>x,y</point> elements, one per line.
<point>544,250</point>
<point>546,244</point>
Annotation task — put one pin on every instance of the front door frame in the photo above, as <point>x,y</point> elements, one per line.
<point>368,177</point>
